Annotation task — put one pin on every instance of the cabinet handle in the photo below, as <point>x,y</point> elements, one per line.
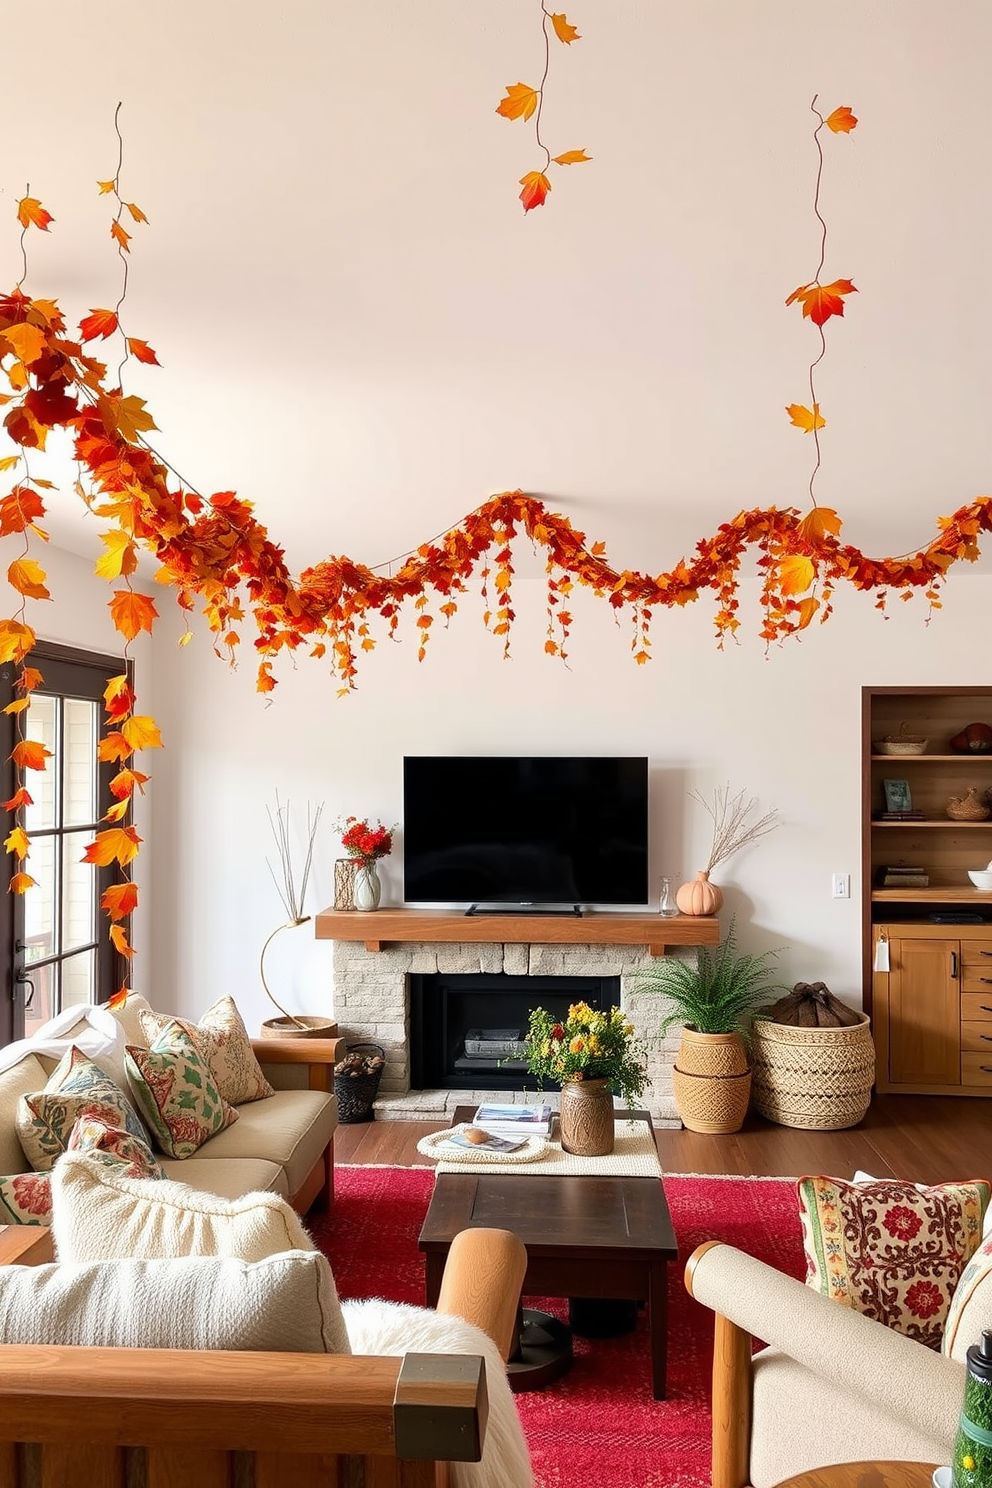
<point>986,1069</point>
<point>954,963</point>
<point>985,979</point>
<point>984,1008</point>
<point>985,953</point>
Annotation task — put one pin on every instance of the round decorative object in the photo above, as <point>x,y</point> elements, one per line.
<point>968,808</point>
<point>440,1146</point>
<point>816,1078</point>
<point>368,889</point>
<point>585,1120</point>
<point>699,897</point>
<point>301,1027</point>
<point>975,739</point>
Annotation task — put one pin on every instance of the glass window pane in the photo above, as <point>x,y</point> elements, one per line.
<point>40,719</point>
<point>39,902</point>
<point>41,1004</point>
<point>81,724</point>
<point>79,979</point>
<point>78,893</point>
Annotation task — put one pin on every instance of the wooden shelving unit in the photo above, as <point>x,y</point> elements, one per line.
<point>397,925</point>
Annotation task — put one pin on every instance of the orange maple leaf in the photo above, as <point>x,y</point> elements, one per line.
<point>132,613</point>
<point>820,301</point>
<point>120,558</point>
<point>123,783</point>
<point>120,236</point>
<point>28,578</point>
<point>119,900</point>
<point>801,417</point>
<point>118,939</point>
<point>30,213</point>
<point>113,746</point>
<point>18,705</point>
<point>841,121</point>
<point>119,998</point>
<point>29,678</point>
<point>19,510</point>
<point>27,341</point>
<point>536,187</point>
<point>98,323</point>
<point>572,157</point>
<point>9,461</point>
<point>21,882</point>
<point>807,609</point>
<point>142,351</point>
<point>127,415</point>
<point>16,640</point>
<point>136,212</point>
<point>17,842</point>
<point>796,575</point>
<point>520,101</point>
<point>30,754</point>
<point>265,682</point>
<point>818,522</point>
<point>117,812</point>
<point>106,187</point>
<point>18,799</point>
<point>563,30</point>
<point>142,732</point>
<point>115,845</point>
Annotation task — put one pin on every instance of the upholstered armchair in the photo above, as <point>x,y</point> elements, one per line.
<point>831,1385</point>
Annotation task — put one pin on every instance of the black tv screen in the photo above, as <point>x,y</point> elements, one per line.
<point>492,830</point>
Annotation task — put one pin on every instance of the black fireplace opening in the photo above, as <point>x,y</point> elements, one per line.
<point>467,1030</point>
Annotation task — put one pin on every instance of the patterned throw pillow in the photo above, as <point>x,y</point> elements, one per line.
<point>77,1087</point>
<point>177,1093</point>
<point>110,1144</point>
<point>971,1305</point>
<point>889,1249</point>
<point>26,1198</point>
<point>223,1038</point>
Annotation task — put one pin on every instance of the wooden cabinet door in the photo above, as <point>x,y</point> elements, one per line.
<point>924,1012</point>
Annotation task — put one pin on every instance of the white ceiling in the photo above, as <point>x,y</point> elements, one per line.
<point>362,332</point>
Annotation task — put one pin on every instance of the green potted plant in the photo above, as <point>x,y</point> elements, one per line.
<point>714,1000</point>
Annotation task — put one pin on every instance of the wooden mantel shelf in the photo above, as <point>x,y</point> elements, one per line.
<point>385,925</point>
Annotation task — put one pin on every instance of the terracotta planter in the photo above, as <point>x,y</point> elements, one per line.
<point>699,897</point>
<point>711,1081</point>
<point>586,1121</point>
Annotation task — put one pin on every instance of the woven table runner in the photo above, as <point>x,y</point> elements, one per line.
<point>634,1155</point>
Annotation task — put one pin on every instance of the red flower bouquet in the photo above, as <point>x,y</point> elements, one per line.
<point>362,840</point>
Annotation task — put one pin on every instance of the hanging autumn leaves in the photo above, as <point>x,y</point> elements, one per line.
<point>525,102</point>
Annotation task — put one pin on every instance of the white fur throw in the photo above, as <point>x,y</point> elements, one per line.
<point>377,1327</point>
<point>285,1304</point>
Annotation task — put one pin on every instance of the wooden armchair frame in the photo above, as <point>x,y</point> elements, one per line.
<point>319,1056</point>
<point>731,1396</point>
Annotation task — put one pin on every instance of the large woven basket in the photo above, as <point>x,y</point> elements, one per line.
<point>818,1078</point>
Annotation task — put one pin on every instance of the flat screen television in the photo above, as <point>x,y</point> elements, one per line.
<point>525,831</point>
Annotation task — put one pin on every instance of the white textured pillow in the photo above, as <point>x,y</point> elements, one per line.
<point>284,1304</point>
<point>100,1214</point>
<point>396,1328</point>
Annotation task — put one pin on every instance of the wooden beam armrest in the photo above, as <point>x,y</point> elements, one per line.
<point>26,1245</point>
<point>299,1051</point>
<point>482,1278</point>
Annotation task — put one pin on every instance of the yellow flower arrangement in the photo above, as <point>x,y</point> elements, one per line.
<point>587,1045</point>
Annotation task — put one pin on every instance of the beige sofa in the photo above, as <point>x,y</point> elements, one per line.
<point>283,1144</point>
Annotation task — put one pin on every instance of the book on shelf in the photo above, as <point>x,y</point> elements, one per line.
<point>515,1120</point>
<point>490,1143</point>
<point>906,881</point>
<point>899,816</point>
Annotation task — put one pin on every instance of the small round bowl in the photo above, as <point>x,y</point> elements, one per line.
<point>981,877</point>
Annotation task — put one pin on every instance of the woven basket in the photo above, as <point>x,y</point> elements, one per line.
<point>817,1078</point>
<point>902,743</point>
<point>711,1103</point>
<point>356,1093</point>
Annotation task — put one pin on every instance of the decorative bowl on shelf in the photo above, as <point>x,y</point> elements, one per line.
<point>981,878</point>
<point>971,807</point>
<point>902,743</point>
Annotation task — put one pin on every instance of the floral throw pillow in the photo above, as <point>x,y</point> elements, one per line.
<point>77,1087</point>
<point>890,1249</point>
<point>177,1093</point>
<point>111,1144</point>
<point>223,1038</point>
<point>26,1198</point>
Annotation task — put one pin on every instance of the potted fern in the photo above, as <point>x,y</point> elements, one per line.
<point>714,1000</point>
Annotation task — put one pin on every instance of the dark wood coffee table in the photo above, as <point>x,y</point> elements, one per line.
<point>585,1236</point>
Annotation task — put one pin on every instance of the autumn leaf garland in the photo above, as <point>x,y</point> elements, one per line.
<point>524,102</point>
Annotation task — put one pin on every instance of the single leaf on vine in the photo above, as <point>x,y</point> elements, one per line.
<point>28,578</point>
<point>117,812</point>
<point>115,845</point>
<point>106,187</point>
<point>841,121</point>
<point>30,754</point>
<point>807,609</point>
<point>142,351</point>
<point>119,900</point>
<point>820,301</point>
<point>18,799</point>
<point>98,323</point>
<point>563,30</point>
<point>132,613</point>
<point>28,678</point>
<point>118,939</point>
<point>9,461</point>
<point>795,575</point>
<point>520,101</point>
<point>18,705</point>
<point>802,418</point>
<point>17,842</point>
<point>21,882</point>
<point>817,523</point>
<point>19,509</point>
<point>16,640</point>
<point>120,236</point>
<point>113,746</point>
<point>136,212</point>
<point>536,187</point>
<point>572,157</point>
<point>27,341</point>
<point>142,732</point>
<point>131,417</point>
<point>121,557</point>
<point>123,784</point>
<point>30,213</point>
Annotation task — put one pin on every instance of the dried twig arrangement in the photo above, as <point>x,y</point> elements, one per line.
<point>733,827</point>
<point>285,881</point>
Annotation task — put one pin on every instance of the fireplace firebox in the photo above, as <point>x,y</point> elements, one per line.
<point>467,1031</point>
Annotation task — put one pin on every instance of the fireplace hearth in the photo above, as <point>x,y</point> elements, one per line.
<point>467,1031</point>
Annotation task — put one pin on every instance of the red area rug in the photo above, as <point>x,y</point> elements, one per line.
<point>599,1424</point>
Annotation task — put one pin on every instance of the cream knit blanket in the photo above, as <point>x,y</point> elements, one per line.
<point>634,1155</point>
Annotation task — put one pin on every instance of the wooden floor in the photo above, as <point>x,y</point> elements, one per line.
<point>929,1139</point>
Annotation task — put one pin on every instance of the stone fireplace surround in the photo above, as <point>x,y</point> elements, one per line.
<point>371,1002</point>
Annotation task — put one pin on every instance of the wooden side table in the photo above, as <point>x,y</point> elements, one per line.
<point>865,1475</point>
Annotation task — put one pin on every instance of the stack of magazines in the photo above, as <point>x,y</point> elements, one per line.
<point>516,1121</point>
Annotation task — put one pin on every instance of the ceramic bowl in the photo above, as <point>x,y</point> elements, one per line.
<point>981,877</point>
<point>943,1477</point>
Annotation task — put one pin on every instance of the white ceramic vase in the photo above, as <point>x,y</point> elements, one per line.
<point>368,889</point>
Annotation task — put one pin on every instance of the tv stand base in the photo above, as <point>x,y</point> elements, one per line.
<point>524,909</point>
